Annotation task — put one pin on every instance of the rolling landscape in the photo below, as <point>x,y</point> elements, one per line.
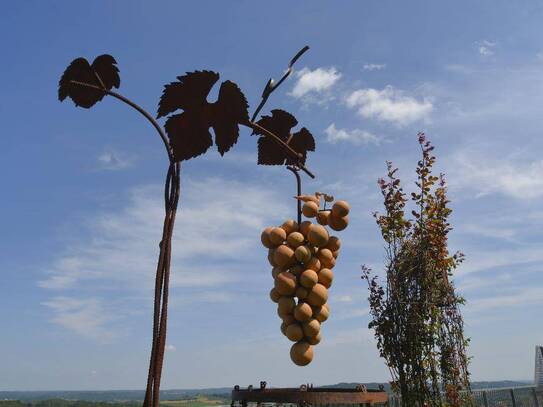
<point>169,398</point>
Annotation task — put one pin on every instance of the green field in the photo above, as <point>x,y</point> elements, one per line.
<point>199,401</point>
<point>195,401</point>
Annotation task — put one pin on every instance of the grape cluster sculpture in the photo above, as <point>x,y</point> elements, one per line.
<point>303,256</point>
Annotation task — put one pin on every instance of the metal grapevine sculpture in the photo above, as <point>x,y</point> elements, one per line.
<point>187,135</point>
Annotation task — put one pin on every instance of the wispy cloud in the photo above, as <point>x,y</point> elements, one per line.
<point>512,176</point>
<point>84,316</point>
<point>486,48</point>
<point>485,51</point>
<point>355,136</point>
<point>389,104</point>
<point>489,230</point>
<point>216,224</point>
<point>314,81</point>
<point>517,297</point>
<point>344,298</point>
<point>459,68</point>
<point>353,313</point>
<point>511,259</point>
<point>114,160</point>
<point>374,67</point>
<point>358,336</point>
<point>218,220</point>
<point>474,282</point>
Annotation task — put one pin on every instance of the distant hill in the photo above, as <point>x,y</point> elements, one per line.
<point>66,403</point>
<point>474,385</point>
<point>184,394</point>
<point>111,395</point>
<point>501,384</point>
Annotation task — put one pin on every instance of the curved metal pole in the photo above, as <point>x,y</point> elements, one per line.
<point>271,86</point>
<point>138,108</point>
<point>299,190</point>
<point>171,199</point>
<point>251,124</point>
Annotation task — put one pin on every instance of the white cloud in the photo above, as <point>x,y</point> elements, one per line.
<point>485,48</point>
<point>353,313</point>
<point>508,176</point>
<point>513,259</point>
<point>460,68</point>
<point>485,51</point>
<point>489,230</point>
<point>113,160</point>
<point>475,282</point>
<point>358,336</point>
<point>519,297</point>
<point>389,104</point>
<point>217,220</point>
<point>344,298</point>
<point>316,81</point>
<point>66,273</point>
<point>84,316</point>
<point>356,136</point>
<point>170,348</point>
<point>374,67</point>
<point>212,223</point>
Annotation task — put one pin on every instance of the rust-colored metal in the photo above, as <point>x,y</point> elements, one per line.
<point>252,125</point>
<point>295,171</point>
<point>310,395</point>
<point>171,198</point>
<point>272,85</point>
<point>303,144</point>
<point>185,136</point>
<point>135,106</point>
<point>288,149</point>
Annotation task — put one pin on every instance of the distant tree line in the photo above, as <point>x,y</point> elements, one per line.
<point>67,403</point>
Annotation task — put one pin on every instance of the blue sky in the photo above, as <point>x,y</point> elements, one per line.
<point>81,210</point>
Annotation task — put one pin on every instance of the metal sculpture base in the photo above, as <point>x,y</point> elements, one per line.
<point>307,395</point>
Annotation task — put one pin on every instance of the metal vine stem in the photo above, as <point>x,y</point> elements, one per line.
<point>251,124</point>
<point>295,171</point>
<point>172,188</point>
<point>270,87</point>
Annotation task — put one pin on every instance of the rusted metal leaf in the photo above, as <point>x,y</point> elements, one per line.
<point>102,73</point>
<point>188,93</point>
<point>280,123</point>
<point>188,137</point>
<point>189,131</point>
<point>302,141</point>
<point>230,109</point>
